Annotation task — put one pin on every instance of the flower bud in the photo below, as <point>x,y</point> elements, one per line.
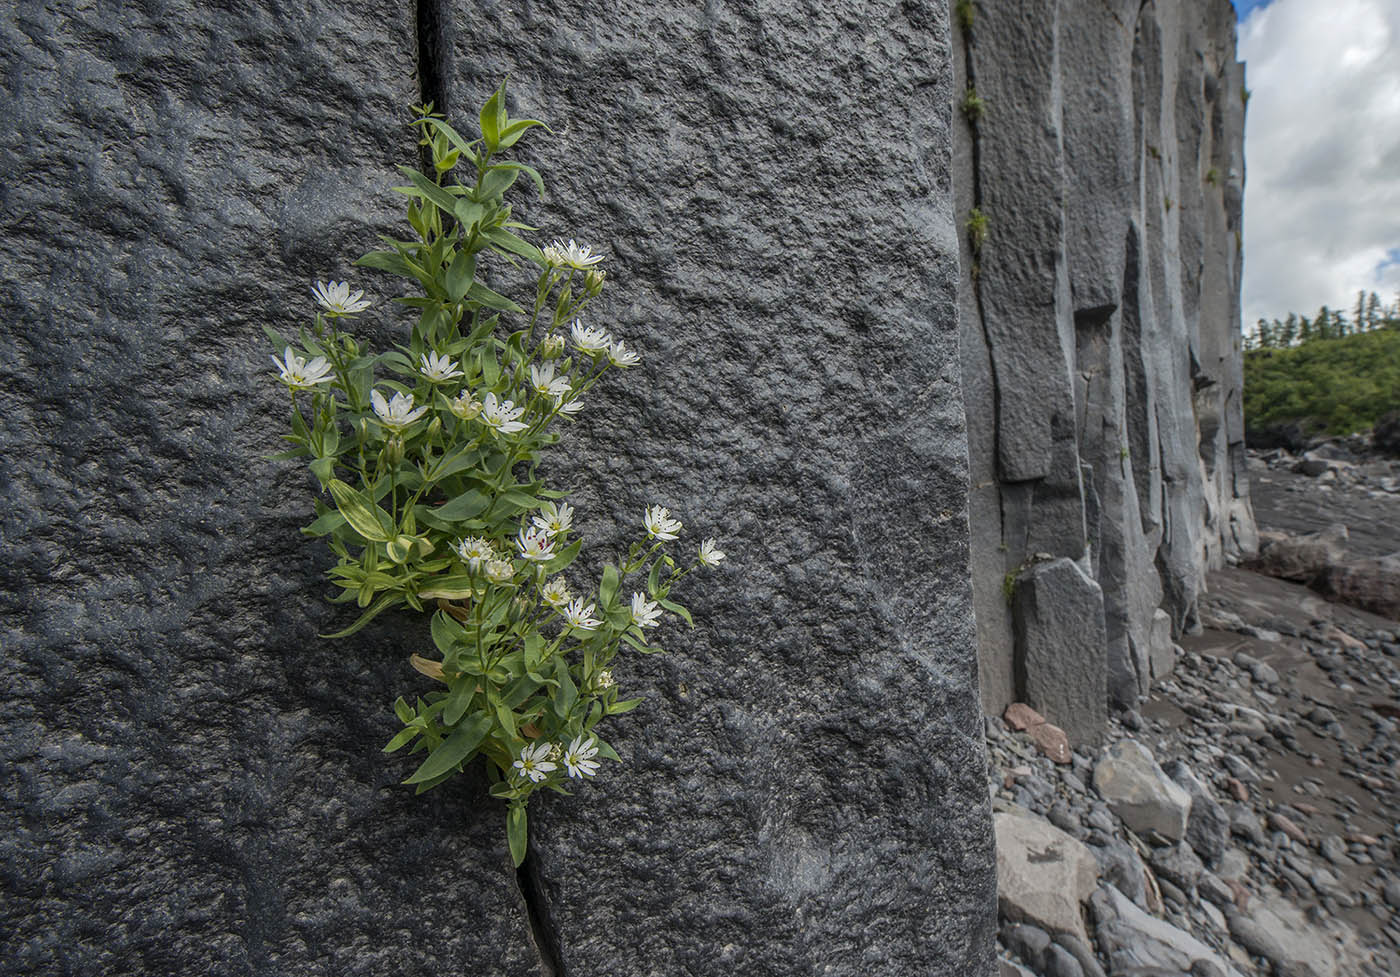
<point>499,571</point>
<point>464,406</point>
<point>552,347</point>
<point>593,281</point>
<point>435,428</point>
<point>393,451</point>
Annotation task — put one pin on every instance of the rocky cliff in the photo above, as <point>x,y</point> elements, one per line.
<point>1100,168</point>
<point>194,779</point>
<point>194,782</point>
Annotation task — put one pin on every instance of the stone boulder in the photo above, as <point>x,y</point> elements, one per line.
<point>1385,436</point>
<point>1147,800</point>
<point>1062,647</point>
<point>1275,929</point>
<point>1208,826</point>
<point>1302,558</point>
<point>1135,942</point>
<point>1043,874</point>
<point>1371,584</point>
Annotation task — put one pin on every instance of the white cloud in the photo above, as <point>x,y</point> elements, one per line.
<point>1322,146</point>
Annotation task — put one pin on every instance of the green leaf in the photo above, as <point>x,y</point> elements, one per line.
<point>528,171</point>
<point>492,300</point>
<point>517,832</point>
<point>403,710</point>
<point>390,261</point>
<point>457,460</point>
<point>468,504</point>
<point>625,705</point>
<point>568,692</point>
<point>506,718</point>
<point>327,522</point>
<point>404,737</point>
<point>460,274</point>
<point>493,118</point>
<point>446,632</point>
<point>456,748</point>
<point>607,590</point>
<point>675,608</point>
<point>278,342</point>
<point>497,181</point>
<point>384,602</point>
<point>506,241</point>
<point>454,586</point>
<point>468,212</point>
<point>520,690</point>
<point>458,702</point>
<point>564,557</point>
<point>511,134</point>
<point>429,190</point>
<point>366,518</point>
<point>534,651</point>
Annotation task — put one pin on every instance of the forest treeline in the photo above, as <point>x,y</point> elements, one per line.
<point>1368,315</point>
<point>1331,373</point>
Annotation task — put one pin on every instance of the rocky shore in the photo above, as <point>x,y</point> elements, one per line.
<point>1245,819</point>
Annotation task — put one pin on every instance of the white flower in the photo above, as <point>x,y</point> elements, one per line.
<point>710,553</point>
<point>556,593</point>
<point>555,519</point>
<point>552,347</point>
<point>501,417</point>
<point>534,763</point>
<point>336,299</point>
<point>298,374</point>
<point>572,255</point>
<point>620,355</point>
<point>398,413</point>
<point>589,340</point>
<point>568,407</point>
<point>580,616</point>
<point>660,525</point>
<point>605,679</point>
<point>535,544</point>
<point>439,369</point>
<point>543,380</point>
<point>578,758</point>
<point>499,571</point>
<point>464,406</point>
<point>475,550</point>
<point>645,613</point>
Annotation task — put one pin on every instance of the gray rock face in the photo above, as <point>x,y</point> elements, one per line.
<point>196,785</point>
<point>808,762</point>
<point>1061,662</point>
<point>1101,351</point>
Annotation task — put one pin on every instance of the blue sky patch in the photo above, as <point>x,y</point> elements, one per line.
<point>1243,7</point>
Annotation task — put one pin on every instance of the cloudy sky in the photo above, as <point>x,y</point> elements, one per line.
<point>1322,149</point>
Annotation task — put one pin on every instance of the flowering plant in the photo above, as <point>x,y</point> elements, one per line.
<point>434,498</point>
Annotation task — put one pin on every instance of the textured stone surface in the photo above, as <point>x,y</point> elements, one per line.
<point>1140,793</point>
<point>1043,874</point>
<point>1101,315</point>
<point>194,781</point>
<point>803,786</point>
<point>1130,939</point>
<point>1062,666</point>
<point>1207,826</point>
